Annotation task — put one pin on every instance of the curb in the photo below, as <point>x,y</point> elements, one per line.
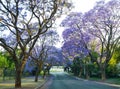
<point>46,80</point>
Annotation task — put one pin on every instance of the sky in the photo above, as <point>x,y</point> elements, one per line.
<point>83,5</point>
<point>79,6</point>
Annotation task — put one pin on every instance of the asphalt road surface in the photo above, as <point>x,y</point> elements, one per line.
<point>62,80</point>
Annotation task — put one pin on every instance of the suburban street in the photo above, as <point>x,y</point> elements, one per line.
<point>62,80</point>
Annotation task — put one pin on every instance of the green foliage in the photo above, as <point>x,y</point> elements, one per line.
<point>113,69</point>
<point>76,66</point>
<point>3,61</point>
<point>6,60</point>
<point>118,69</point>
<point>91,67</point>
<point>95,70</point>
<point>116,54</point>
<point>94,56</point>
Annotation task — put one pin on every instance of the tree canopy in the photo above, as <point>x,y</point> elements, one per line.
<point>94,31</point>
<point>25,21</point>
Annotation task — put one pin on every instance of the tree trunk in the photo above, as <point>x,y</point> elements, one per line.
<point>18,77</point>
<point>37,74</point>
<point>80,74</point>
<point>103,73</point>
<point>87,72</point>
<point>18,73</point>
<point>39,68</point>
<point>87,75</point>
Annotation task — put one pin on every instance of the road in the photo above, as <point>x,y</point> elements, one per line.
<point>62,80</point>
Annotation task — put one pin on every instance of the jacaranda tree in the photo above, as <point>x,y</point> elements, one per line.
<point>100,25</point>
<point>73,39</point>
<point>103,22</point>
<point>77,42</point>
<point>25,21</point>
<point>40,52</point>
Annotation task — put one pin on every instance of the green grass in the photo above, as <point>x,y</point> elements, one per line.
<point>108,80</point>
<point>113,81</point>
<point>95,79</point>
<point>6,79</point>
<point>27,83</point>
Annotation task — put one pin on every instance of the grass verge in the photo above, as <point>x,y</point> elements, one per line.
<point>27,83</point>
<point>109,80</point>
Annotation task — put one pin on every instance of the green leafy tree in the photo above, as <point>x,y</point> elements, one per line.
<point>112,69</point>
<point>116,55</point>
<point>77,66</point>
<point>3,61</point>
<point>6,65</point>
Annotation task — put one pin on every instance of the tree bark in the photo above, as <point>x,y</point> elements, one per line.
<point>37,74</point>
<point>39,68</point>
<point>19,66</point>
<point>103,73</point>
<point>80,74</point>
<point>87,72</point>
<point>18,77</point>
